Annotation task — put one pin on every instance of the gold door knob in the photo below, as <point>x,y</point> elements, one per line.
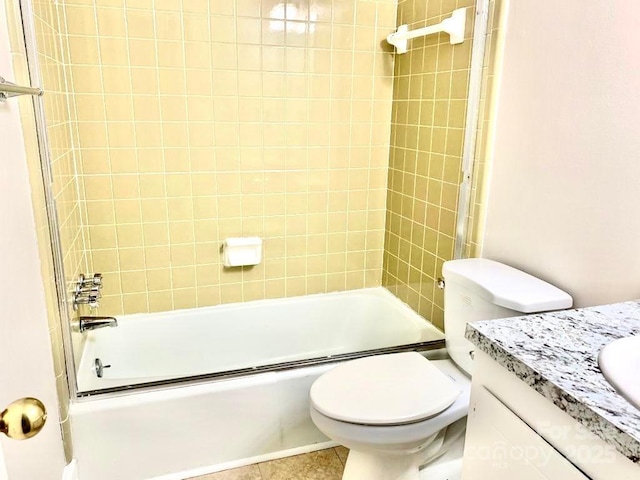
<point>23,419</point>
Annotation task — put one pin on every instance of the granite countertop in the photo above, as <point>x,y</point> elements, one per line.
<point>556,354</point>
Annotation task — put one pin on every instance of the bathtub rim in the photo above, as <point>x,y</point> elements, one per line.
<point>172,383</point>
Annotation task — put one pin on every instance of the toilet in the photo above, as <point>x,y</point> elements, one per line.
<point>401,411</point>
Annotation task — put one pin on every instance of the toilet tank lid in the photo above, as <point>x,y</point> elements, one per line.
<point>506,286</point>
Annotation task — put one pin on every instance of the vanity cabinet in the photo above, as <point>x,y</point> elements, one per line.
<point>513,432</point>
<point>501,446</point>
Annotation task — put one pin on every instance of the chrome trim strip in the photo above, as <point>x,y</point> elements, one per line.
<point>28,29</point>
<point>471,127</point>
<point>278,367</point>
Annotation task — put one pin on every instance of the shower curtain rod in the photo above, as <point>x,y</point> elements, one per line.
<point>8,90</point>
<point>454,26</point>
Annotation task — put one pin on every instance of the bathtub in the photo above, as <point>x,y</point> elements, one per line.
<point>237,339</point>
<point>219,387</point>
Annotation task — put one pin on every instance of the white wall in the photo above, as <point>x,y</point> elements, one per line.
<point>26,366</point>
<point>564,192</point>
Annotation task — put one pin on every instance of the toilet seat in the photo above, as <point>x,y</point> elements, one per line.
<point>391,389</point>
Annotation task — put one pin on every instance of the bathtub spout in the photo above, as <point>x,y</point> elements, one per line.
<point>91,323</point>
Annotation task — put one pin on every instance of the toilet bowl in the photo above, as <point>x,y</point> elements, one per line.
<point>400,411</point>
<point>390,440</point>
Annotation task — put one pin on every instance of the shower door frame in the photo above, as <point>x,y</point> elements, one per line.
<point>478,49</point>
<point>35,75</point>
<point>464,200</point>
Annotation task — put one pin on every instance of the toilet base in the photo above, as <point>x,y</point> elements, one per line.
<point>366,466</point>
<point>375,465</point>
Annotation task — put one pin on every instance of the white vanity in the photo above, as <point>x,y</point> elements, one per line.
<point>540,406</point>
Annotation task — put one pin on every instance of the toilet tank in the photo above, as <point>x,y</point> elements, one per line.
<point>481,289</point>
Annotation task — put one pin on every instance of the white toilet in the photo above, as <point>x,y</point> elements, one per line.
<point>400,411</point>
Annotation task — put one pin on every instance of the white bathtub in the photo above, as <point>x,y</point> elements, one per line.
<point>209,424</point>
<point>228,338</point>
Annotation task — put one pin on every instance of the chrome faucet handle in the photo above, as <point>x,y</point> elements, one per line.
<point>91,300</point>
<point>97,280</point>
<point>93,282</point>
<point>87,291</point>
<point>90,290</point>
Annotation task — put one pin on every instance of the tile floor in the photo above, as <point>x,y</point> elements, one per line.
<point>321,465</point>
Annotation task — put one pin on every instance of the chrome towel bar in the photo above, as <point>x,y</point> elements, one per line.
<point>8,90</point>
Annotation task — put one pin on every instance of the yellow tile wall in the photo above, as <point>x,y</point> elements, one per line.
<point>63,141</point>
<point>201,120</point>
<point>428,120</point>
<point>176,126</point>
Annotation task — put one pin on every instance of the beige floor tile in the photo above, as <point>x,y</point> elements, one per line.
<point>321,465</point>
<point>252,472</point>
<point>342,452</point>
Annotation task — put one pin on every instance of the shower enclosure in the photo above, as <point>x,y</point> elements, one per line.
<point>168,126</point>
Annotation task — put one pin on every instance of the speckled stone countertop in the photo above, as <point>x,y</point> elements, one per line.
<point>556,354</point>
